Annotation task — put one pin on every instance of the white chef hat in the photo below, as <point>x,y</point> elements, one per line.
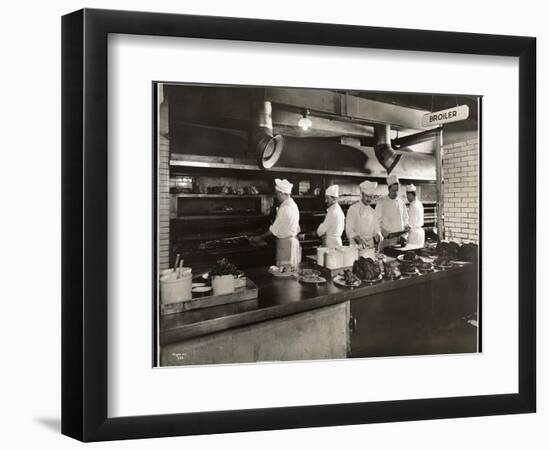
<point>368,187</point>
<point>283,186</point>
<point>332,191</point>
<point>411,188</point>
<point>392,179</point>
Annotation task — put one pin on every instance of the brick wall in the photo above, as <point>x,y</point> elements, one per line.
<point>461,184</point>
<point>163,189</point>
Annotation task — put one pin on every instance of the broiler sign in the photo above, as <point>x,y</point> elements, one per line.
<point>446,116</point>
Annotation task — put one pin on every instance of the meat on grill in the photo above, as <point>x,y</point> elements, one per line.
<point>239,241</point>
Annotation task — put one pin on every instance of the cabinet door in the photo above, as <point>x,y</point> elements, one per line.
<point>396,322</point>
<point>455,296</point>
<point>454,300</point>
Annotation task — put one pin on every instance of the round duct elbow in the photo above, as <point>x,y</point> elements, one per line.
<point>383,149</point>
<point>387,156</point>
<point>268,147</point>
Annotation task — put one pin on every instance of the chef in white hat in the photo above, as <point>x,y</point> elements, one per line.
<point>285,227</point>
<point>332,227</point>
<point>361,224</point>
<point>391,212</point>
<point>416,217</point>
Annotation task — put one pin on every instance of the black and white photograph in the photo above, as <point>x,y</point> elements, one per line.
<point>299,224</point>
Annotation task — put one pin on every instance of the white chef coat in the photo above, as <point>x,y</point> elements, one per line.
<point>287,221</point>
<point>332,227</point>
<point>416,222</point>
<point>361,221</point>
<point>391,214</point>
<point>285,228</point>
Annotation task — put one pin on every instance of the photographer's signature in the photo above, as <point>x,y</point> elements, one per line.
<point>179,355</point>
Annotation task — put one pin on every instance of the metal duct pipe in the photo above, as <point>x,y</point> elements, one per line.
<point>267,147</point>
<point>416,138</point>
<point>401,144</point>
<point>383,149</point>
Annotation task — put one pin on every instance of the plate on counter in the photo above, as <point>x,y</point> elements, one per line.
<point>425,259</point>
<point>393,276</point>
<point>201,290</point>
<point>459,263</point>
<point>340,281</point>
<point>281,272</point>
<point>375,280</point>
<point>313,279</point>
<point>309,273</point>
<point>410,274</point>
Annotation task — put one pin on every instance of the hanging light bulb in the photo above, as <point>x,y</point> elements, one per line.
<point>305,122</point>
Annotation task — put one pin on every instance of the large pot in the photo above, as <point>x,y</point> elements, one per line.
<point>334,259</point>
<point>223,284</point>
<point>351,254</point>
<point>321,251</point>
<point>174,289</point>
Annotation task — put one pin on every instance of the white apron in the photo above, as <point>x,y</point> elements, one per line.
<point>416,236</point>
<point>416,221</point>
<point>332,241</point>
<point>289,251</point>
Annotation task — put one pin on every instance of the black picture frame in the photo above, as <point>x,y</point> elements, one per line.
<point>84,224</point>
